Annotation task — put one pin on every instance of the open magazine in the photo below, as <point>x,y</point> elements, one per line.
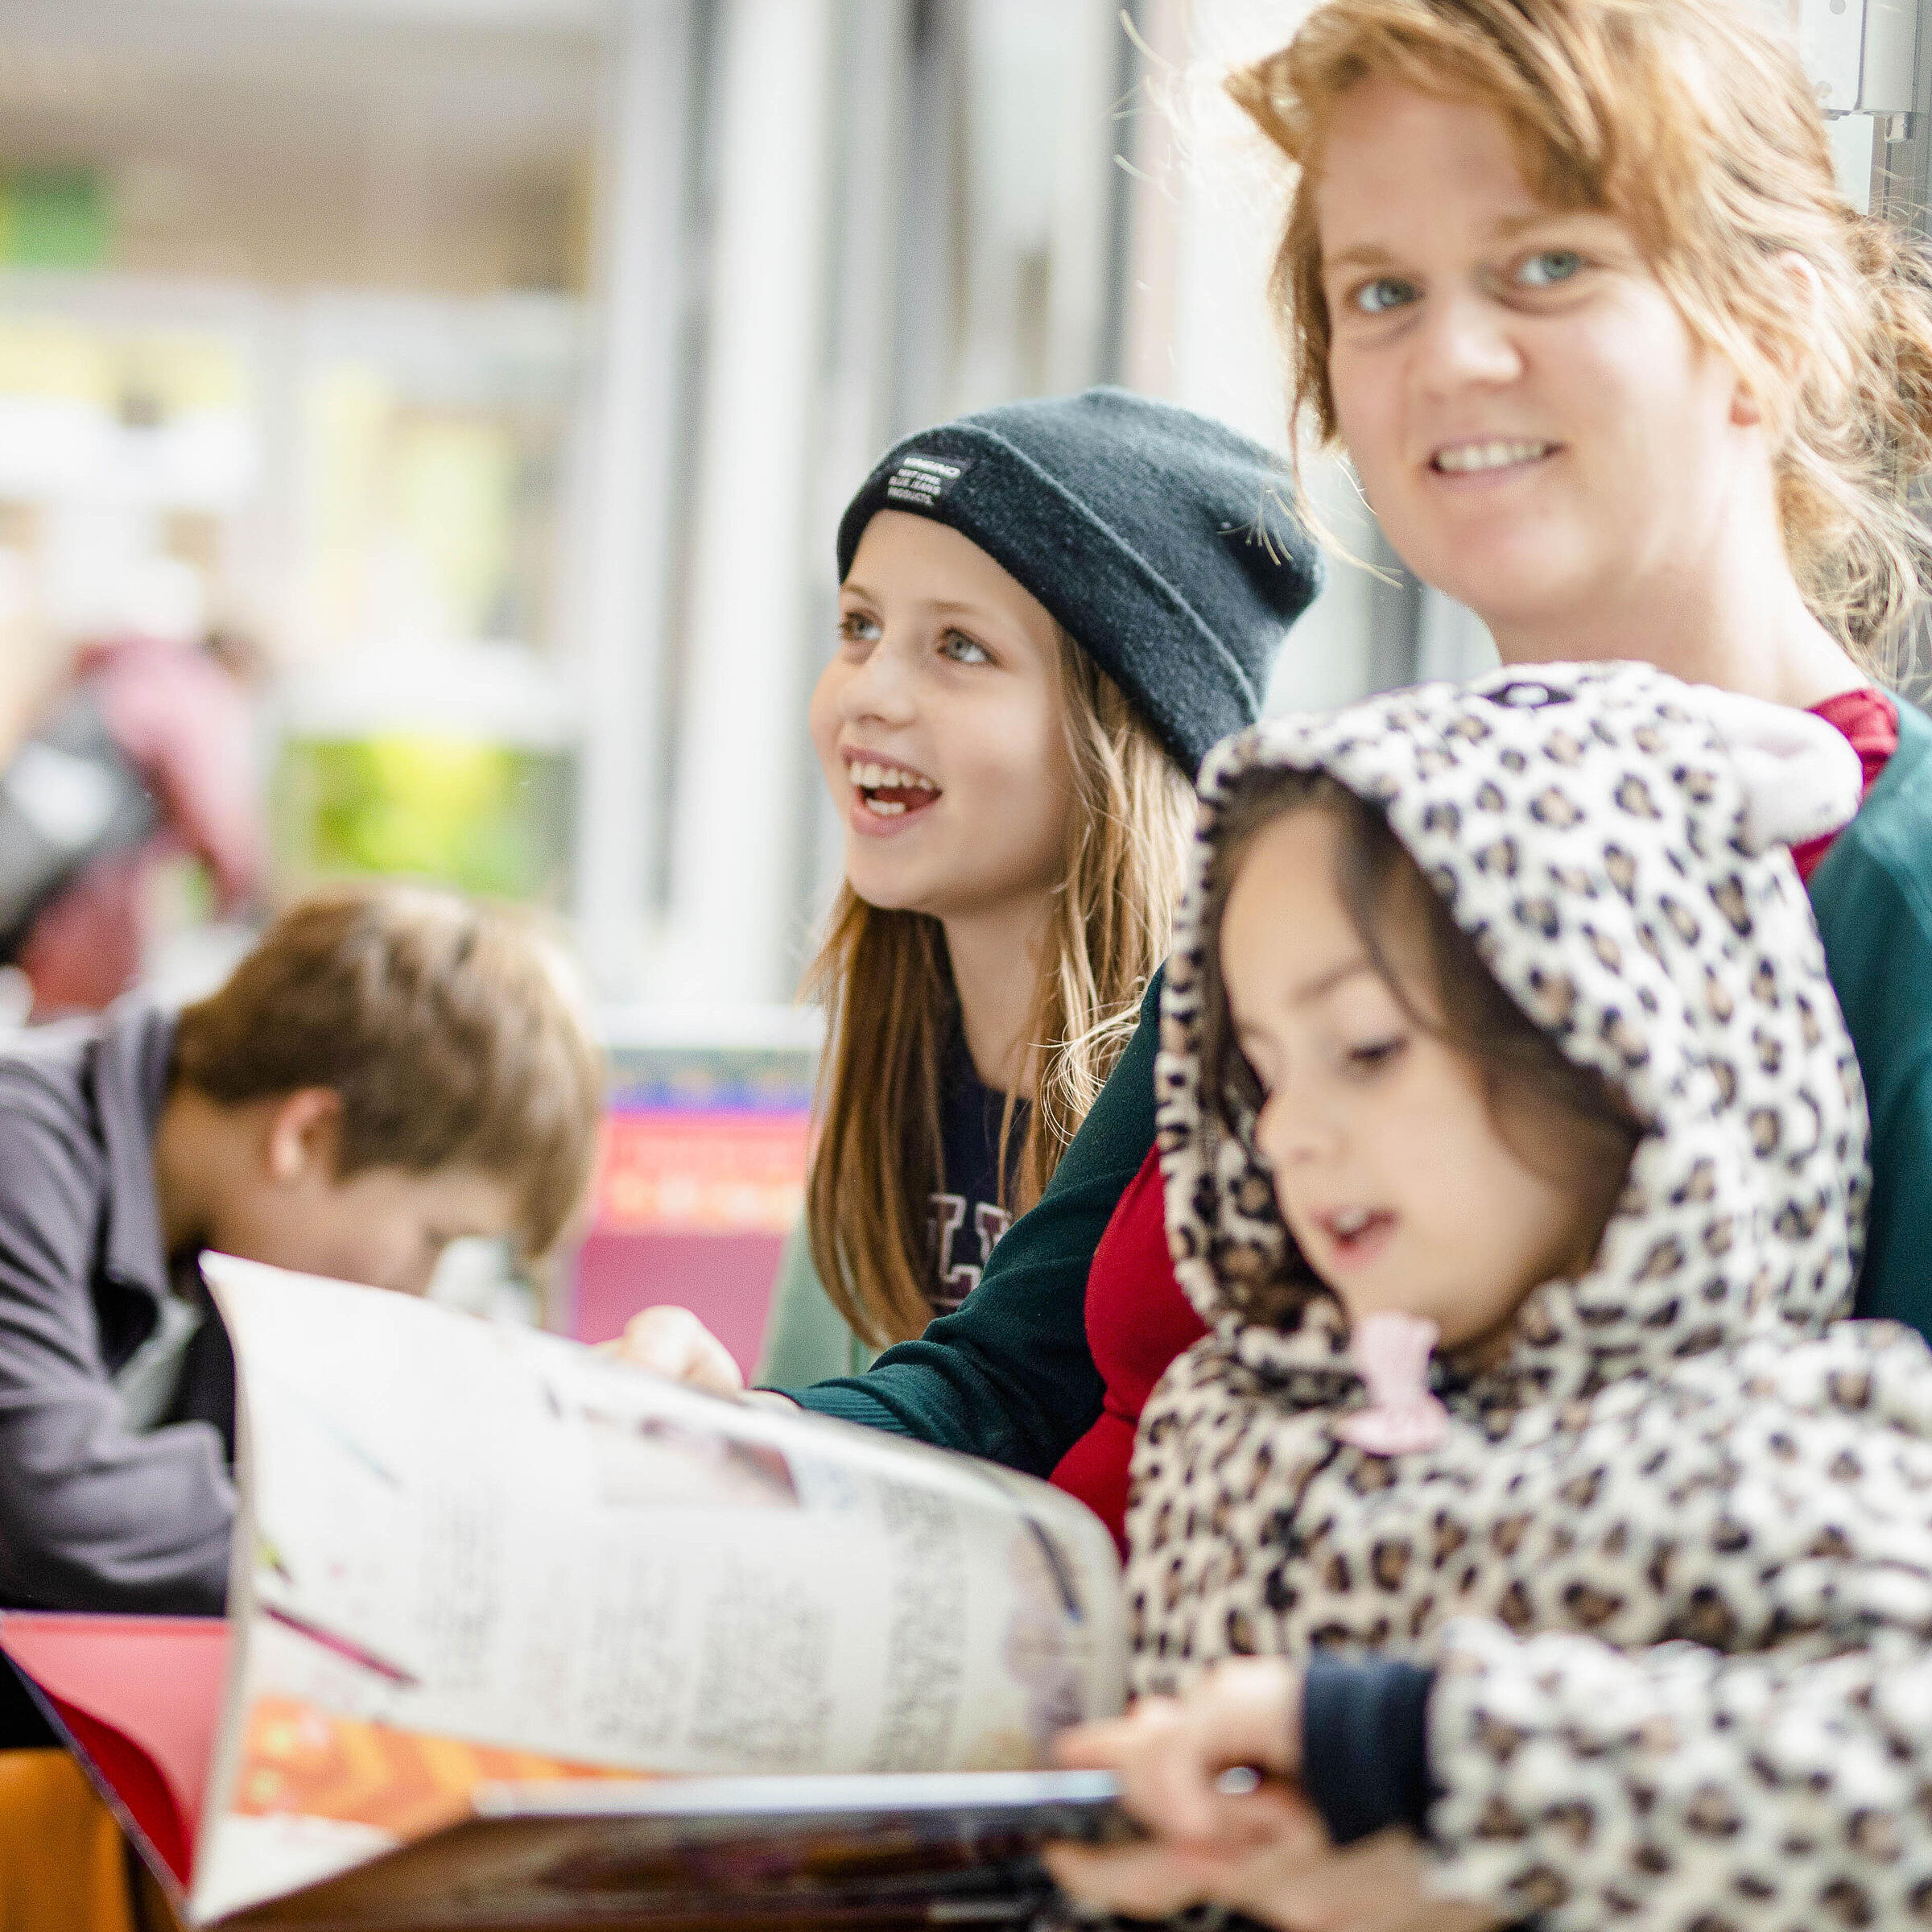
<point>518,1635</point>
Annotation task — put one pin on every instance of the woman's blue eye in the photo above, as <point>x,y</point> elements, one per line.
<point>1385,292</point>
<point>855,627</point>
<point>1552,266</point>
<point>962,650</point>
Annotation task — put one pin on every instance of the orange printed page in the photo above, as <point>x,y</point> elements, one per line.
<point>299,1761</point>
<point>140,1698</point>
<point>313,1794</point>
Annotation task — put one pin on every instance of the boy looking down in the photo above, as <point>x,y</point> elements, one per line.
<point>390,1069</point>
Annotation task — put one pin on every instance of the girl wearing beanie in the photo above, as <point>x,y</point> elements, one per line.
<point>1497,1028</point>
<point>1047,613</point>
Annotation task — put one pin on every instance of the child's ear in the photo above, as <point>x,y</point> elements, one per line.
<point>304,1134</point>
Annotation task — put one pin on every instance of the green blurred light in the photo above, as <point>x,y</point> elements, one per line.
<point>486,818</point>
<point>55,218</point>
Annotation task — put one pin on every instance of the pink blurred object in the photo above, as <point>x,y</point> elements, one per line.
<point>186,724</point>
<point>189,726</point>
<point>1392,1352</point>
<point>691,1205</point>
<point>724,1280</point>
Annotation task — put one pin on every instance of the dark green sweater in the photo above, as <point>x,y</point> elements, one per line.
<point>1010,1376</point>
<point>1873,898</point>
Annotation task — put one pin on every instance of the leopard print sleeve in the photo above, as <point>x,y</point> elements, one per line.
<point>1681,1789</point>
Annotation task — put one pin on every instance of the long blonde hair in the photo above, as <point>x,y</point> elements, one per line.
<point>886,983</point>
<point>1697,128</point>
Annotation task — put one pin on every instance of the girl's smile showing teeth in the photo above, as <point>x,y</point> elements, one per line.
<point>888,791</point>
<point>1480,458</point>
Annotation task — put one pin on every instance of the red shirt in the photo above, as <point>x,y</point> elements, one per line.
<point>1869,719</point>
<point>1138,1319</point>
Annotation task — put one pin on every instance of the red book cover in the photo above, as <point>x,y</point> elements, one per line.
<point>140,1698</point>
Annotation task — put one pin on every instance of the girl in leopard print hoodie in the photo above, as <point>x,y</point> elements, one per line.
<point>1498,1017</point>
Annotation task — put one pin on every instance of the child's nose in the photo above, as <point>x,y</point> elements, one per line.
<point>881,687</point>
<point>1291,1131</point>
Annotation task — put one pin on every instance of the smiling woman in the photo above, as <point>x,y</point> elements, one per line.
<point>1538,429</point>
<point>1620,368</point>
<point>1573,286</point>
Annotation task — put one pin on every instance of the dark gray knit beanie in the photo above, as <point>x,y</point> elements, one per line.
<point>1161,541</point>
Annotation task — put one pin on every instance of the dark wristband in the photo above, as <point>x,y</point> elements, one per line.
<point>1365,1744</point>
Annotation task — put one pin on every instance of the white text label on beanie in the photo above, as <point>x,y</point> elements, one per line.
<point>921,481</point>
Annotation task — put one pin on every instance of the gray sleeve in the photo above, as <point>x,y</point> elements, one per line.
<point>93,1516</point>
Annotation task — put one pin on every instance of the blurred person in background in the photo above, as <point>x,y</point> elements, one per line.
<point>145,752</point>
<point>390,1070</point>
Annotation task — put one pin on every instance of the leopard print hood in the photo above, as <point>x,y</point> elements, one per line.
<point>1592,832</point>
<point>1681,1447</point>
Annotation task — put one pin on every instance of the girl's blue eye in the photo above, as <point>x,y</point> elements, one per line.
<point>1549,267</point>
<point>855,627</point>
<point>962,650</point>
<point>1385,293</point>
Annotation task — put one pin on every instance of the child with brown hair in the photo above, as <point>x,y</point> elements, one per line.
<point>1515,1155</point>
<point>390,1069</point>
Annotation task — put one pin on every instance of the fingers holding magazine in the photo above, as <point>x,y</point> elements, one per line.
<point>672,1342</point>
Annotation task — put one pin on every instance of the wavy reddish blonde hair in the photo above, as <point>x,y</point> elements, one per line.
<point>1695,127</point>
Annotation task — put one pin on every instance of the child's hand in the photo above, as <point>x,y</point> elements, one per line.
<point>1294,1878</point>
<point>1170,1753</point>
<point>672,1342</point>
<point>1265,1852</point>
<point>1280,1834</point>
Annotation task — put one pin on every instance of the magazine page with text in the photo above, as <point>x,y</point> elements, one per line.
<point>472,1557</point>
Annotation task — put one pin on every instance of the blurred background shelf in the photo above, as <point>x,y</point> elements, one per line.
<point>703,1169</point>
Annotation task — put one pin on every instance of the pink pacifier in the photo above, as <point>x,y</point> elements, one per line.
<point>1391,1353</point>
